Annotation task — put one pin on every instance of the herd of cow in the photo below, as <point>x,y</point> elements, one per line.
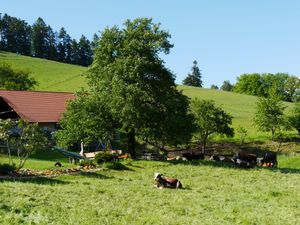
<point>241,159</point>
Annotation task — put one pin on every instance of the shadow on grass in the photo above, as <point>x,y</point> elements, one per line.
<point>34,180</point>
<point>93,175</point>
<point>117,166</point>
<point>282,170</point>
<point>233,166</point>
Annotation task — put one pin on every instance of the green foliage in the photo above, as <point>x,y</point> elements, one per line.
<point>87,119</point>
<point>242,133</point>
<point>295,118</point>
<point>15,79</point>
<point>227,86</point>
<point>269,115</point>
<point>214,87</point>
<point>128,74</point>
<point>23,137</point>
<point>250,84</point>
<point>6,169</point>
<point>282,85</point>
<point>194,78</point>
<point>210,119</point>
<point>105,157</point>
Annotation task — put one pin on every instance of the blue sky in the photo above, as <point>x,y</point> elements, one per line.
<point>226,37</point>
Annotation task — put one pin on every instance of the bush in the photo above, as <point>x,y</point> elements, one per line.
<point>6,169</point>
<point>104,157</point>
<point>87,163</point>
<point>115,166</point>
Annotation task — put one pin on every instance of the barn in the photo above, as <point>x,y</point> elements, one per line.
<point>42,107</point>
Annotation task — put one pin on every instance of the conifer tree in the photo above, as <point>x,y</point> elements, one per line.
<point>194,78</point>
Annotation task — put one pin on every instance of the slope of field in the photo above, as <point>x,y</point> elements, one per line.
<point>55,76</point>
<point>51,75</point>
<point>241,107</point>
<point>212,194</point>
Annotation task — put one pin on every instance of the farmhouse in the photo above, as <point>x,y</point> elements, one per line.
<point>44,108</point>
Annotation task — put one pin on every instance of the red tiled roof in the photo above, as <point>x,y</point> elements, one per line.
<point>37,106</point>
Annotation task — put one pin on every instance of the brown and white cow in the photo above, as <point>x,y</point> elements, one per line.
<point>166,182</point>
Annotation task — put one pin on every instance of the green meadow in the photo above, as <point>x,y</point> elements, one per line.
<point>51,75</point>
<point>213,193</point>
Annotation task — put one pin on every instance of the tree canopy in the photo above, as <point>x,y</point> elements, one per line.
<point>139,92</point>
<point>283,85</point>
<point>194,78</point>
<point>210,119</point>
<point>295,117</point>
<point>15,79</point>
<point>40,40</point>
<point>227,86</point>
<point>269,115</point>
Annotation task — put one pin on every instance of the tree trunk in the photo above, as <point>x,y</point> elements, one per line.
<point>131,142</point>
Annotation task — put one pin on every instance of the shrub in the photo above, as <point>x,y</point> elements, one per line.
<point>115,166</point>
<point>104,157</point>
<point>87,163</point>
<point>6,169</point>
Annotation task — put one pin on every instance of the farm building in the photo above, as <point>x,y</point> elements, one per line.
<point>44,108</point>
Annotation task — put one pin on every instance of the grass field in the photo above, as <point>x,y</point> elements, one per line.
<point>51,75</point>
<point>212,194</point>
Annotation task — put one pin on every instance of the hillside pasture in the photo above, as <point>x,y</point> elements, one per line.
<point>55,76</point>
<point>51,75</point>
<point>213,193</point>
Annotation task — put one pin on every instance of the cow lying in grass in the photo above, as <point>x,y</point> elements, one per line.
<point>269,160</point>
<point>166,182</point>
<point>245,159</point>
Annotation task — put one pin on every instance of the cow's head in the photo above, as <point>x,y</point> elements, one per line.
<point>157,176</point>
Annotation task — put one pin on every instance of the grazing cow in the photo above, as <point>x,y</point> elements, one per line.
<point>215,158</point>
<point>166,182</point>
<point>58,164</point>
<point>270,159</point>
<point>245,156</point>
<point>192,156</point>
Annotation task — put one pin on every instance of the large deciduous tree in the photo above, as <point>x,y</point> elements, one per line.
<point>194,78</point>
<point>295,118</point>
<point>87,119</point>
<point>269,115</point>
<point>210,119</point>
<point>139,92</point>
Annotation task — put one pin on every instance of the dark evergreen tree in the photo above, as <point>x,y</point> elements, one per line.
<point>94,41</point>
<point>194,78</point>
<point>85,52</point>
<point>74,52</point>
<point>52,44</point>
<point>40,39</point>
<point>227,86</point>
<point>64,46</point>
<point>14,35</point>
<point>215,87</point>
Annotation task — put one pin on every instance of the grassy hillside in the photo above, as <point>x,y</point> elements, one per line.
<point>51,75</point>
<point>55,76</point>
<point>241,107</point>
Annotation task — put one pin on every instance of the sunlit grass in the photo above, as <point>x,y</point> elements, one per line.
<point>212,194</point>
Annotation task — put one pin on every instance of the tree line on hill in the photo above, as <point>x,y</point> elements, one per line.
<point>40,40</point>
<point>285,86</point>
